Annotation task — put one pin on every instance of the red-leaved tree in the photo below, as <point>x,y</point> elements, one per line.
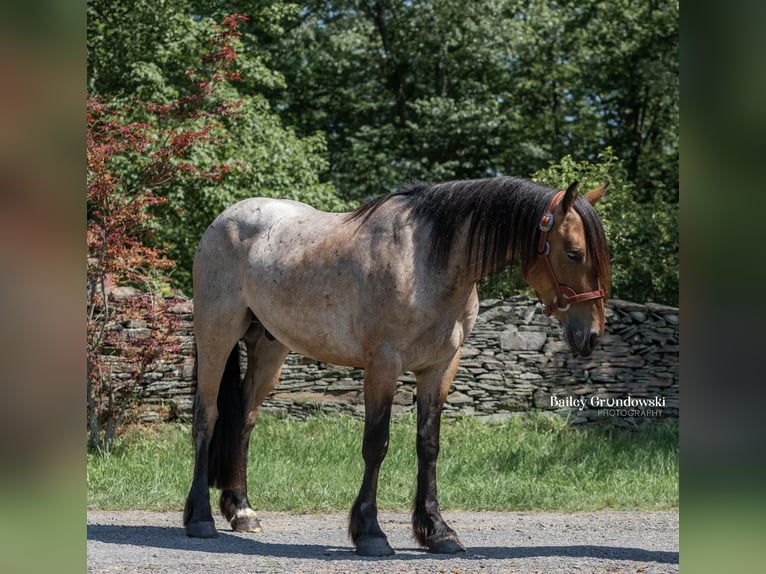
<point>128,296</point>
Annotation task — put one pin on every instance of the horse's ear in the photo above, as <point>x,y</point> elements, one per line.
<point>569,196</point>
<point>595,194</point>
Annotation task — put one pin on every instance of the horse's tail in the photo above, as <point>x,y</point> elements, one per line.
<point>227,434</point>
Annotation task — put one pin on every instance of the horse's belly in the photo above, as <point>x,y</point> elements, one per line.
<point>327,338</point>
<point>328,354</point>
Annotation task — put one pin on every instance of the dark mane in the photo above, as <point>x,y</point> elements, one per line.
<point>503,214</point>
<point>596,241</point>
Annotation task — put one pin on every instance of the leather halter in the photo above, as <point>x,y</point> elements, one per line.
<point>564,295</point>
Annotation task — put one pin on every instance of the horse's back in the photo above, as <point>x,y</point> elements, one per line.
<point>232,233</point>
<point>250,217</point>
<point>329,286</point>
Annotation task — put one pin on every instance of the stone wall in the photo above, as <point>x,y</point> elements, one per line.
<point>514,360</point>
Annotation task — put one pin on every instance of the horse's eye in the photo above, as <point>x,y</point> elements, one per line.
<point>575,255</point>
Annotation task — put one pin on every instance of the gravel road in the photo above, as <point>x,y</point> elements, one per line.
<point>498,542</point>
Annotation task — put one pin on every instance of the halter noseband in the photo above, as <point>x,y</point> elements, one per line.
<point>564,295</point>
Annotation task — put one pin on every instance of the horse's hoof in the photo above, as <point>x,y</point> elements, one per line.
<point>201,530</point>
<point>373,546</point>
<point>246,524</point>
<point>448,544</point>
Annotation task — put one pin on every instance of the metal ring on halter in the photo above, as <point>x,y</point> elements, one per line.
<point>546,222</point>
<point>547,249</point>
<point>559,307</point>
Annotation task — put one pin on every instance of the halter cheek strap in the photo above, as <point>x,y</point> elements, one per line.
<point>564,296</point>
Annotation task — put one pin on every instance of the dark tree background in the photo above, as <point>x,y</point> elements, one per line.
<point>341,101</point>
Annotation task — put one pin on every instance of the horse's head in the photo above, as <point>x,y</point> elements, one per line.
<point>571,271</point>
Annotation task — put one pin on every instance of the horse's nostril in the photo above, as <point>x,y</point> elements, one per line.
<point>593,339</point>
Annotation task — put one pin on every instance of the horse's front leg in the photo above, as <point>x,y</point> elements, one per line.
<point>363,528</point>
<point>428,525</point>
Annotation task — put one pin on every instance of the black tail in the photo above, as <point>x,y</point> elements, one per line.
<point>227,434</point>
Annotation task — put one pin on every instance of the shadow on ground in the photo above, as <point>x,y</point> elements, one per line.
<point>176,539</point>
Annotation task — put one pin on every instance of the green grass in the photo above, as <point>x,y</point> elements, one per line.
<point>526,463</point>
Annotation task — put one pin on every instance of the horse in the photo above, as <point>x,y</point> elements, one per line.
<point>389,287</point>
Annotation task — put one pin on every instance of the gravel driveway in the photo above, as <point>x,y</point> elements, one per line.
<point>497,542</point>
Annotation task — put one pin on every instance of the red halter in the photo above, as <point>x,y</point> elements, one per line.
<point>564,295</point>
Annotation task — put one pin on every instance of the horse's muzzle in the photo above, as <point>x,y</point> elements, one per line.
<point>582,342</point>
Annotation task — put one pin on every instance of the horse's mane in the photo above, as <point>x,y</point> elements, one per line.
<point>503,214</point>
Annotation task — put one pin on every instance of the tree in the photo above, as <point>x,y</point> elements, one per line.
<point>117,253</point>
<point>392,86</point>
<point>341,101</point>
<point>145,51</point>
<point>127,161</point>
<point>447,89</point>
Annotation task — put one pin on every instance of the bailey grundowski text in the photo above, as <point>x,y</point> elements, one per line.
<point>597,402</point>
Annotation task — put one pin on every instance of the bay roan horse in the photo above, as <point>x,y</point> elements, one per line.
<point>390,287</point>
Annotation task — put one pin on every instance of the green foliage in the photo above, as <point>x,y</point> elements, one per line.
<point>642,235</point>
<point>449,89</point>
<point>340,101</point>
<point>266,159</point>
<point>119,221</point>
<point>530,463</point>
<point>155,52</point>
<point>402,90</point>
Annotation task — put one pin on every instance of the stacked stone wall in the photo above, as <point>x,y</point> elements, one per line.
<point>515,360</point>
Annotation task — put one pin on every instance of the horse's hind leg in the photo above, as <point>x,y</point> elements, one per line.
<point>265,357</point>
<point>212,367</point>
<point>215,335</point>
<point>428,525</point>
